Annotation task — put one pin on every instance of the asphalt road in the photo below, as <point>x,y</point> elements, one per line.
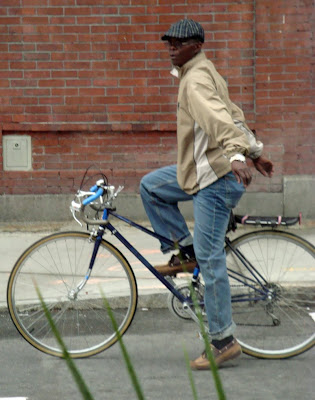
<point>156,343</point>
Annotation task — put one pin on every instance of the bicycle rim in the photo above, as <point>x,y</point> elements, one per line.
<point>58,263</point>
<point>283,324</point>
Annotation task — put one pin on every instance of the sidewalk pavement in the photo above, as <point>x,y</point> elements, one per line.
<point>17,237</point>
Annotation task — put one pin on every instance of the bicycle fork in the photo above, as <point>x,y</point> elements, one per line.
<point>73,294</point>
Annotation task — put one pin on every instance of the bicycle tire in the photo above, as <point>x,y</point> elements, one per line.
<point>282,325</point>
<point>57,263</point>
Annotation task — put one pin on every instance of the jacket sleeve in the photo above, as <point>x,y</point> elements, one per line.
<point>212,115</point>
<point>255,146</point>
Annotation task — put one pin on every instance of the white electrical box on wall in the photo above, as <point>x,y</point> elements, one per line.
<point>17,153</point>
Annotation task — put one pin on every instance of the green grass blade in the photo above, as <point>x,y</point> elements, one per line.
<point>75,372</point>
<point>190,376</point>
<point>130,369</point>
<point>213,365</point>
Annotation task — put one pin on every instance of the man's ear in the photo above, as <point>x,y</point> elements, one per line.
<point>198,46</point>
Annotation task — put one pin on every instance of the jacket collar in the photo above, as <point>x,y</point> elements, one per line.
<point>191,63</point>
<point>178,72</point>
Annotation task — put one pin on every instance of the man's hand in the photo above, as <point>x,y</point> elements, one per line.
<point>242,172</point>
<point>264,166</point>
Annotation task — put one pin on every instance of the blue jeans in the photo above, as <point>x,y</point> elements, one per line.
<point>160,194</point>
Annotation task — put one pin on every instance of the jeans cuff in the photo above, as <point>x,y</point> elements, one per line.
<point>229,331</point>
<point>185,241</point>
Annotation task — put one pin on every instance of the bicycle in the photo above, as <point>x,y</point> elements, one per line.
<point>274,312</point>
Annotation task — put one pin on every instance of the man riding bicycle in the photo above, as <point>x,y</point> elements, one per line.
<point>213,140</point>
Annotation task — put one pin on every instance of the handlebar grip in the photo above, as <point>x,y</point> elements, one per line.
<point>95,196</point>
<point>94,188</point>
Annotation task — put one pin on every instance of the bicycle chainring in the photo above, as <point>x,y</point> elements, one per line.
<point>176,306</point>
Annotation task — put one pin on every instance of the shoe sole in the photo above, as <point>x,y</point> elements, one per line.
<point>173,271</point>
<point>232,358</point>
<point>219,361</point>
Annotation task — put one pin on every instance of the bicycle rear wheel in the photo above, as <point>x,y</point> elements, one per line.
<point>57,264</point>
<point>283,324</point>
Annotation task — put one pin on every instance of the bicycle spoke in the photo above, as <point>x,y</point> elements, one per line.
<point>280,324</point>
<point>59,264</point>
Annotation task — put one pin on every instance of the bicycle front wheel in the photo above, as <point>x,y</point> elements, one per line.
<point>58,264</point>
<point>282,323</point>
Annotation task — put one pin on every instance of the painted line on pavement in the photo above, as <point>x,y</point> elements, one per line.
<point>13,398</point>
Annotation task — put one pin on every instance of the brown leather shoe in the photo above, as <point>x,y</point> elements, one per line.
<point>228,353</point>
<point>177,264</point>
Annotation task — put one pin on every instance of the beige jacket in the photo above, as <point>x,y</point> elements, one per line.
<point>210,128</point>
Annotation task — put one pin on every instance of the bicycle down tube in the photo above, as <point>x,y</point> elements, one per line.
<point>263,292</point>
<point>238,254</point>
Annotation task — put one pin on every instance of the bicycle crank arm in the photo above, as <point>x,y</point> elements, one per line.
<point>189,311</point>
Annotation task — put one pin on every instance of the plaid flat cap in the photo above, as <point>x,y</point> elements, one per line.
<point>185,29</point>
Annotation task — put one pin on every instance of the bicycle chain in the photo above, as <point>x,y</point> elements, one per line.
<point>260,325</point>
<point>238,324</point>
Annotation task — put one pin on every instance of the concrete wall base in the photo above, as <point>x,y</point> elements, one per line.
<point>298,196</point>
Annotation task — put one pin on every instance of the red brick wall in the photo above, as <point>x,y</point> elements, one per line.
<point>60,160</point>
<point>89,81</point>
<point>284,85</point>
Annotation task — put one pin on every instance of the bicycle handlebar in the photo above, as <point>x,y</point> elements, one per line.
<point>99,193</point>
<point>96,192</point>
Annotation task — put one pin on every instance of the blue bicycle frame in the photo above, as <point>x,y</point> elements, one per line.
<point>256,282</point>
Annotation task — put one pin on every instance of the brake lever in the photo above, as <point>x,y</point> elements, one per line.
<point>73,208</point>
<point>120,188</point>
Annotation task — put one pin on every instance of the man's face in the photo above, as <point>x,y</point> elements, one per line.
<point>182,50</point>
